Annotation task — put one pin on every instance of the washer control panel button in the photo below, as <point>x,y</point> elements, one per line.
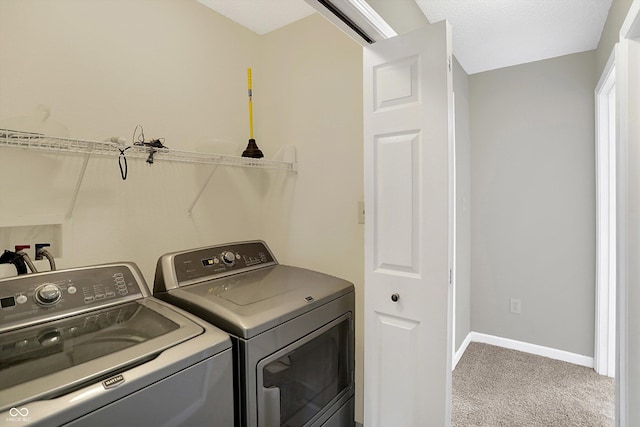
<point>47,294</point>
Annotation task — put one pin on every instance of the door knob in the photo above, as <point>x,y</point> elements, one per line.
<point>395,297</point>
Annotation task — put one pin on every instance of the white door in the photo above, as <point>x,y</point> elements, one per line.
<point>408,132</point>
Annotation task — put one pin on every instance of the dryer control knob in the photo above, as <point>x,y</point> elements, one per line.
<point>48,294</point>
<point>228,258</point>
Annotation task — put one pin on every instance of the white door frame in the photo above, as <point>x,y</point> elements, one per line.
<point>604,353</point>
<point>453,230</point>
<point>628,274</point>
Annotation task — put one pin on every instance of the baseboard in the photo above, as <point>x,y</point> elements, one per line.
<point>552,353</point>
<point>461,350</point>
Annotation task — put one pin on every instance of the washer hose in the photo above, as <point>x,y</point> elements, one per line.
<point>27,260</point>
<point>45,253</point>
<point>9,257</point>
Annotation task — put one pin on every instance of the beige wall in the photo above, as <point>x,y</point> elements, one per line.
<point>102,68</point>
<point>312,74</point>
<point>105,66</point>
<point>179,69</point>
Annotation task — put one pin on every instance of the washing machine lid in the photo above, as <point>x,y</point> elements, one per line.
<point>53,358</point>
<point>250,303</point>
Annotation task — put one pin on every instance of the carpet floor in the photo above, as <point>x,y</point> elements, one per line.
<point>494,386</point>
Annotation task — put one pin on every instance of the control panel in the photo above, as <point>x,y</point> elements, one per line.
<point>222,260</point>
<point>30,298</point>
<point>25,342</point>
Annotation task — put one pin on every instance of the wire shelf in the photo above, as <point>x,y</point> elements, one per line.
<point>54,144</point>
<point>60,145</point>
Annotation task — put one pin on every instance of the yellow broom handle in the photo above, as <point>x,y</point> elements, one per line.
<point>250,104</point>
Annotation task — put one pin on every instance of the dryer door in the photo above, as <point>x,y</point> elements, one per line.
<point>302,382</point>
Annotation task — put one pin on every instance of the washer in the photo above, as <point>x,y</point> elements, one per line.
<point>292,330</point>
<point>91,347</point>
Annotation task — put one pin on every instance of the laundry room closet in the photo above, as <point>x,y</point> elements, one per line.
<point>96,70</point>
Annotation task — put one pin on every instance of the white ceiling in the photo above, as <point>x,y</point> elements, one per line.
<point>261,16</point>
<point>490,34</point>
<point>487,34</point>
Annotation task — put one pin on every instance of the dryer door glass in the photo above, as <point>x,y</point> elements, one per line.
<point>301,381</point>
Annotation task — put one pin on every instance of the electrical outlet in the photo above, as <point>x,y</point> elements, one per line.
<point>516,306</point>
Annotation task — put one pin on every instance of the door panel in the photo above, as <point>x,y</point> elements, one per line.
<point>397,333</point>
<point>396,209</point>
<point>408,113</point>
<point>396,83</point>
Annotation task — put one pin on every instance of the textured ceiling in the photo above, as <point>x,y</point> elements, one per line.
<point>487,34</point>
<point>490,34</point>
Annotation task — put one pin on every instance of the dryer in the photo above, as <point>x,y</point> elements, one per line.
<point>90,347</point>
<point>292,330</point>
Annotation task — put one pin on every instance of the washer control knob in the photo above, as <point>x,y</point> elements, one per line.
<point>48,294</point>
<point>228,258</point>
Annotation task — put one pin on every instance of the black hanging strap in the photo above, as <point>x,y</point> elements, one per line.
<point>122,160</point>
